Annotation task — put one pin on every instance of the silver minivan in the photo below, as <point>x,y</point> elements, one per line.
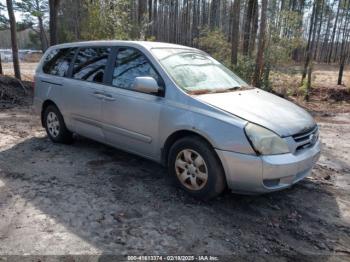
<point>178,106</point>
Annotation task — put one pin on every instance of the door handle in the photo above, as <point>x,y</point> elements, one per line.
<point>99,95</point>
<point>108,97</point>
<point>104,96</point>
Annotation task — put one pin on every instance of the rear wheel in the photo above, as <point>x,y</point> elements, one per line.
<point>196,168</point>
<point>55,126</point>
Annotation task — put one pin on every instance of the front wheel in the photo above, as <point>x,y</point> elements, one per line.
<point>196,168</point>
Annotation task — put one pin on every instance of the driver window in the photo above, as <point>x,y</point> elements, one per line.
<point>131,63</point>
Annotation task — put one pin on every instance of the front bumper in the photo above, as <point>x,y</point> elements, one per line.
<point>261,174</point>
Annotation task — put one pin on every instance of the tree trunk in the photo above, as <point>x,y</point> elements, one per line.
<point>235,31</point>
<point>319,30</point>
<point>230,21</point>
<point>188,24</point>
<point>323,54</point>
<point>341,70</point>
<point>195,21</point>
<point>308,84</point>
<point>13,39</point>
<point>150,10</point>
<point>343,51</point>
<point>260,56</point>
<point>1,71</point>
<point>309,43</point>
<point>335,53</point>
<point>333,34</point>
<point>247,26</point>
<point>309,62</point>
<point>160,20</point>
<point>150,21</point>
<point>53,5</point>
<point>254,28</point>
<point>42,33</point>
<point>141,10</point>
<point>204,14</point>
<point>155,19</point>
<point>214,14</point>
<point>176,22</point>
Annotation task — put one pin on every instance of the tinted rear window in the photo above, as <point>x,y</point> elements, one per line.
<point>90,64</point>
<point>57,61</point>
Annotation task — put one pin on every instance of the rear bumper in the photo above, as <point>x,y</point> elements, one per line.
<point>262,174</point>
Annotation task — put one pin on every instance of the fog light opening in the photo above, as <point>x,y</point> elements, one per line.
<point>271,182</point>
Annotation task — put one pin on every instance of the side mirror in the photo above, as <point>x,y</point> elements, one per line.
<point>146,84</point>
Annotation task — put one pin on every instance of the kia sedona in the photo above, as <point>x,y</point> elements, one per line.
<point>177,106</point>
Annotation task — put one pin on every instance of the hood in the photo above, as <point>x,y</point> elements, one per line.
<point>262,108</point>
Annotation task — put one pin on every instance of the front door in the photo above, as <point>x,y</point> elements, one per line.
<point>131,118</point>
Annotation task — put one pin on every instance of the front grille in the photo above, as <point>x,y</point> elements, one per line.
<point>306,139</point>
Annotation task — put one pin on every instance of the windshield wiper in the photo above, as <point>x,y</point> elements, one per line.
<point>221,90</point>
<point>235,88</point>
<point>199,92</point>
<point>224,90</point>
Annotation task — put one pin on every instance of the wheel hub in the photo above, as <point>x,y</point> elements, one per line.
<point>192,169</point>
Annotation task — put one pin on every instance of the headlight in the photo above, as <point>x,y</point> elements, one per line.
<point>265,141</point>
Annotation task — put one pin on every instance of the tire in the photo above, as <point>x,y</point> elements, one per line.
<point>55,127</point>
<point>191,177</point>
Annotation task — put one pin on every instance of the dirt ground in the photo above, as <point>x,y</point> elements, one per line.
<point>27,70</point>
<point>88,198</point>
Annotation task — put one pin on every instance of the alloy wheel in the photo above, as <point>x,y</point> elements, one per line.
<point>53,124</point>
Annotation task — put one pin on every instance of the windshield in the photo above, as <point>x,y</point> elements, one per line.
<point>196,72</point>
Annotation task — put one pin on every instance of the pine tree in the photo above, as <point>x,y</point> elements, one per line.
<point>12,20</point>
<point>35,9</point>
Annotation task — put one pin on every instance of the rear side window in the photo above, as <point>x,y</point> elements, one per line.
<point>131,63</point>
<point>90,64</point>
<point>57,61</point>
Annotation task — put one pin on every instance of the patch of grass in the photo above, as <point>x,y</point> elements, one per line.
<point>302,90</point>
